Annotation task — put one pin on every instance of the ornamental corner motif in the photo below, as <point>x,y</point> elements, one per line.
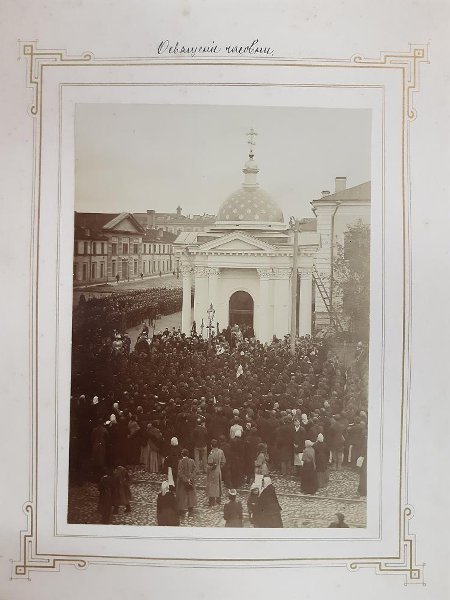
<point>406,563</point>
<point>30,559</point>
<point>37,59</point>
<point>409,62</point>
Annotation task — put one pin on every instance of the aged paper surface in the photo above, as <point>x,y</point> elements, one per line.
<point>388,58</point>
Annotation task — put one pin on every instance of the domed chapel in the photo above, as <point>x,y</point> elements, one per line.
<point>240,269</point>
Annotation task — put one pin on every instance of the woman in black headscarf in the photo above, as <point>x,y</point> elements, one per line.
<point>166,506</point>
<point>267,511</point>
<point>309,474</point>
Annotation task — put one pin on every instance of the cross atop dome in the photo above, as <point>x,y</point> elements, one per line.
<point>251,135</point>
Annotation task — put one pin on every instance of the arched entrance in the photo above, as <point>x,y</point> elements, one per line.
<point>241,309</point>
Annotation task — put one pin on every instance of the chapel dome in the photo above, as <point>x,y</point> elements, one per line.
<point>250,203</point>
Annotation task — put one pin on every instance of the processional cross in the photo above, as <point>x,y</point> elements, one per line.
<point>210,327</point>
<point>251,139</point>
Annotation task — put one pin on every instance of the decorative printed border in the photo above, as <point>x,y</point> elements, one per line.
<point>408,62</point>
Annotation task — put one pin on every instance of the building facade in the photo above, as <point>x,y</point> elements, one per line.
<point>157,252</point>
<point>240,269</point>
<point>334,213</point>
<point>115,247</point>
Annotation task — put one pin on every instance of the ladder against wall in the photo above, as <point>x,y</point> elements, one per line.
<point>334,318</point>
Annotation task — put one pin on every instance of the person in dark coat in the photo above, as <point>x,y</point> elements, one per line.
<point>232,511</point>
<point>309,474</point>
<point>121,493</point>
<point>237,460</point>
<point>340,521</point>
<point>267,511</point>
<point>134,441</point>
<point>336,441</point>
<point>99,441</point>
<point>166,506</point>
<point>322,457</point>
<point>285,445</point>
<point>105,499</point>
<point>298,441</point>
<point>172,459</point>
<point>252,500</point>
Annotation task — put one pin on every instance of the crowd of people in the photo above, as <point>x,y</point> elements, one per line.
<point>98,318</point>
<point>230,407</point>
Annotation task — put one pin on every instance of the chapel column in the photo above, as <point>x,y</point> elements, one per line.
<point>201,299</point>
<point>265,313</point>
<point>186,312</point>
<point>281,304</point>
<point>305,304</point>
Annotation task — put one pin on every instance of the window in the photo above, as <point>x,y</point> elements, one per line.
<point>103,248</point>
<point>114,248</point>
<point>154,248</point>
<point>135,249</point>
<point>93,270</point>
<point>125,249</point>
<point>86,248</point>
<point>135,267</point>
<point>114,268</point>
<point>102,270</point>
<point>94,247</point>
<point>85,271</point>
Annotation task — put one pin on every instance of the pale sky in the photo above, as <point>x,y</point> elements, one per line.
<point>134,157</point>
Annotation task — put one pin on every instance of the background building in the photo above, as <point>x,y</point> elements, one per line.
<point>157,252</point>
<point>106,245</point>
<point>174,222</point>
<point>334,213</point>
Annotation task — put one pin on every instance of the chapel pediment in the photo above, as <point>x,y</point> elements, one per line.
<point>236,242</point>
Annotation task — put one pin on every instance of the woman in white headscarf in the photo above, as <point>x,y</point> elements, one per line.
<point>322,457</point>
<point>171,461</point>
<point>309,474</point>
<point>166,506</point>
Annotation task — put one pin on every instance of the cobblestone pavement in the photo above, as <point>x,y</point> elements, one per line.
<point>298,510</point>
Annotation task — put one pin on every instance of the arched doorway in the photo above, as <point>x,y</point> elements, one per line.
<point>241,309</point>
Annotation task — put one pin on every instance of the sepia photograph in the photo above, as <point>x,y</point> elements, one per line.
<point>221,316</point>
